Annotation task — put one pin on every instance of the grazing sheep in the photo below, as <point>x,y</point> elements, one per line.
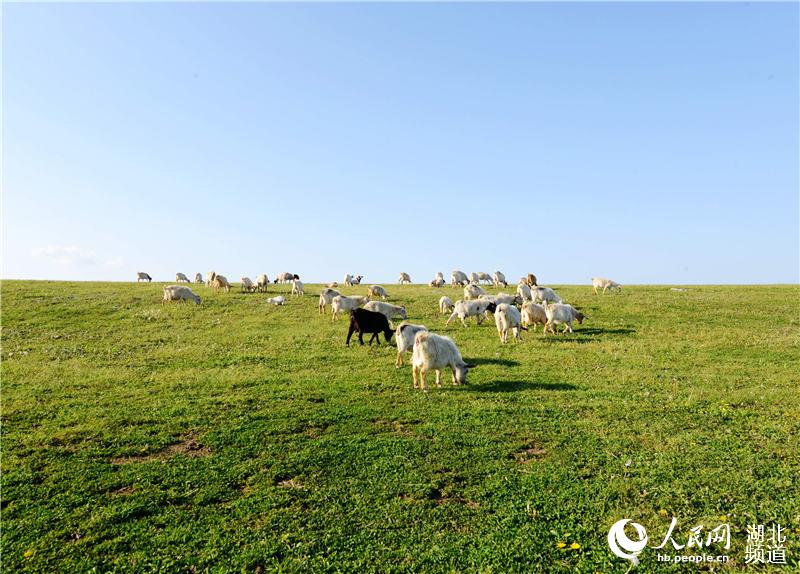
<point>524,292</point>
<point>501,298</point>
<point>459,279</point>
<point>485,277</point>
<point>220,282</point>
<point>341,304</point>
<point>198,278</point>
<point>507,317</point>
<point>404,278</point>
<point>473,291</point>
<point>364,321</point>
<point>297,287</point>
<point>333,285</point>
<point>181,278</point>
<point>374,291</point>
<point>477,309</point>
<point>445,305</point>
<point>541,294</point>
<point>437,281</point>
<point>326,298</point>
<point>285,277</point>
<point>387,309</point>
<point>404,337</point>
<point>262,283</point>
<point>247,284</point>
<point>279,300</point>
<point>530,280</point>
<point>436,352</point>
<point>604,284</point>
<point>210,277</point>
<point>179,293</point>
<point>142,276</point>
<point>350,280</point>
<point>560,313</point>
<point>474,278</point>
<point>533,314</point>
<point>499,279</point>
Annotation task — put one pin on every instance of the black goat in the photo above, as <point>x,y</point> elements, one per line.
<point>363,321</point>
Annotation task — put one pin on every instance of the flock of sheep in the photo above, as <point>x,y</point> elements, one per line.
<point>532,304</point>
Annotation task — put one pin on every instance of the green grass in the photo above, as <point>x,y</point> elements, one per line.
<point>238,436</point>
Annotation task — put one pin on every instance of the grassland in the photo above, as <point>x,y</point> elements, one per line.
<point>238,436</point>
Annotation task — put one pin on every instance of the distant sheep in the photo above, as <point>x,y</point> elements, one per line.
<point>350,280</point>
<point>326,298</point>
<point>437,281</point>
<point>508,318</point>
<point>404,278</point>
<point>533,314</point>
<point>279,300</point>
<point>247,284</point>
<point>485,277</point>
<point>198,278</point>
<point>559,313</point>
<point>435,352</point>
<point>404,337</point>
<point>474,278</point>
<point>445,305</point>
<point>604,284</point>
<point>181,278</point>
<point>364,321</point>
<point>220,282</point>
<point>473,291</point>
<point>524,292</point>
<point>499,279</point>
<point>387,309</point>
<point>262,283</point>
<point>142,276</point>
<point>541,294</point>
<point>333,285</point>
<point>210,277</point>
<point>286,277</point>
<point>459,279</point>
<point>530,280</point>
<point>374,291</point>
<point>179,293</point>
<point>501,298</point>
<point>342,304</point>
<point>477,309</point>
<point>297,287</point>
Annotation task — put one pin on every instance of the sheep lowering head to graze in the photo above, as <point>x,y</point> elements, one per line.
<point>341,304</point>
<point>459,279</point>
<point>142,276</point>
<point>247,284</point>
<point>374,291</point>
<point>284,277</point>
<point>507,317</point>
<point>210,278</point>
<point>279,300</point>
<point>404,278</point>
<point>445,304</point>
<point>435,352</point>
<point>477,309</point>
<point>604,284</point>
<point>473,291</point>
<point>501,298</point>
<point>179,293</point>
<point>541,294</point>
<point>198,278</point>
<point>485,277</point>
<point>326,298</point>
<point>533,314</point>
<point>524,292</point>
<point>181,278</point>
<point>404,337</point>
<point>364,321</point>
<point>387,309</point>
<point>499,279</point>
<point>220,282</point>
<point>558,313</point>
<point>297,287</point>
<point>474,277</point>
<point>262,283</point>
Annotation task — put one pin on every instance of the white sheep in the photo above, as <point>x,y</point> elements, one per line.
<point>604,284</point>
<point>477,309</point>
<point>262,283</point>
<point>345,304</point>
<point>474,278</point>
<point>505,298</point>
<point>142,276</point>
<point>374,291</point>
<point>198,278</point>
<point>220,282</point>
<point>297,287</point>
<point>279,300</point>
<point>285,277</point>
<point>473,291</point>
<point>541,294</point>
<point>404,278</point>
<point>558,313</point>
<point>210,277</point>
<point>179,293</point>
<point>499,279</point>
<point>485,277</point>
<point>333,285</point>
<point>436,352</point>
<point>458,279</point>
<point>524,292</point>
<point>247,284</point>
<point>436,282</point>
<point>445,305</point>
<point>326,298</point>
<point>507,317</point>
<point>404,336</point>
<point>386,309</point>
<point>181,278</point>
<point>533,314</point>
<point>350,280</point>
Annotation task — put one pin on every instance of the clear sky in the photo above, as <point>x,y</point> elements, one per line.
<point>649,143</point>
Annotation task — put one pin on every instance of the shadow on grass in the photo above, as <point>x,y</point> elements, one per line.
<point>477,361</point>
<point>514,386</point>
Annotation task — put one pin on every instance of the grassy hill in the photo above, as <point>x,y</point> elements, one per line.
<point>238,436</point>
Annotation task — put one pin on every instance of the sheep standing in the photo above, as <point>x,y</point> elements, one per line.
<point>364,321</point>
<point>477,309</point>
<point>501,298</point>
<point>210,278</point>
<point>559,313</point>
<point>297,287</point>
<point>350,280</point>
<point>533,314</point>
<point>499,279</point>
<point>142,276</point>
<point>436,352</point>
<point>181,278</point>
<point>474,278</point>
<point>507,317</point>
<point>445,305</point>
<point>262,283</point>
<point>387,309</point>
<point>485,277</point>
<point>341,304</point>
<point>179,293</point>
<point>404,336</point>
<point>285,277</point>
<point>541,294</point>
<point>198,278</point>
<point>326,298</point>
<point>279,300</point>
<point>458,279</point>
<point>524,292</point>
<point>404,278</point>
<point>220,282</point>
<point>473,291</point>
<point>604,284</point>
<point>374,291</point>
<point>247,284</point>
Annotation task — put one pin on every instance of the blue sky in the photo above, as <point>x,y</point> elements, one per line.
<point>650,143</point>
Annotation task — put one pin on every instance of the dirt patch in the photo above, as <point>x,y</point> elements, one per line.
<point>291,483</point>
<point>394,426</point>
<point>123,491</point>
<point>188,446</point>
<point>529,454</point>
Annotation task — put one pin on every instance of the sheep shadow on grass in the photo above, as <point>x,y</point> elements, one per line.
<point>505,386</point>
<point>492,361</point>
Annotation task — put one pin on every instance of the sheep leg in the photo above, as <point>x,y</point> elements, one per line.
<point>374,338</point>
<point>422,379</point>
<point>399,362</point>
<point>414,375</point>
<point>453,316</point>
<point>438,377</point>
<point>361,337</point>
<point>350,334</point>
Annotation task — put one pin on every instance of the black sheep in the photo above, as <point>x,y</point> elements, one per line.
<point>363,321</point>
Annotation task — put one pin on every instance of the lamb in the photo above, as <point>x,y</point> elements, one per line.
<point>262,283</point>
<point>198,278</point>
<point>404,336</point>
<point>349,280</point>
<point>541,294</point>
<point>387,309</point>
<point>297,287</point>
<point>340,304</point>
<point>374,291</point>
<point>477,309</point>
<point>279,300</point>
<point>181,278</point>
<point>364,321</point>
<point>445,305</point>
<point>524,292</point>
<point>600,282</point>
<point>499,279</point>
<point>508,317</point>
<point>326,298</point>
<point>285,277</point>
<point>485,277</point>
<point>142,276</point>
<point>533,314</point>
<point>220,282</point>
<point>473,291</point>
<point>179,293</point>
<point>458,279</point>
<point>247,284</point>
<point>560,313</point>
<point>436,352</point>
<point>404,278</point>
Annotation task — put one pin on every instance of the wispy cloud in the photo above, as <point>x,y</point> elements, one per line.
<point>114,263</point>
<point>66,255</point>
